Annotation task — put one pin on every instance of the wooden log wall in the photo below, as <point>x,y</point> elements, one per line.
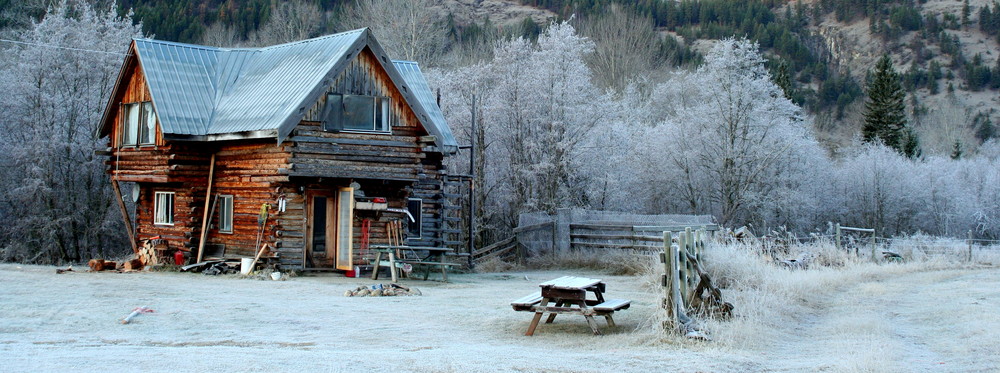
<point>136,90</point>
<point>247,171</point>
<point>395,165</point>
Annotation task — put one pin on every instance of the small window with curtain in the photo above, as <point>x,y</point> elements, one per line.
<point>357,113</point>
<point>163,208</point>
<point>138,124</point>
<point>225,214</point>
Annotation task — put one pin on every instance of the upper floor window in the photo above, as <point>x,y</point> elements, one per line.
<point>356,113</point>
<point>138,124</point>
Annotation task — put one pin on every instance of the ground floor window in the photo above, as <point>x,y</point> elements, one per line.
<point>163,209</point>
<point>226,214</point>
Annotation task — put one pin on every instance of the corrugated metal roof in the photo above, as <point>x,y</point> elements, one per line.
<point>201,91</point>
<point>438,126</point>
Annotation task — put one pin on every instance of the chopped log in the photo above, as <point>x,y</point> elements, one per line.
<point>96,265</point>
<point>110,266</point>
<point>133,265</point>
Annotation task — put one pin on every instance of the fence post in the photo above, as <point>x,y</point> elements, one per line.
<point>681,264</point>
<point>552,232</point>
<point>667,258</point>
<point>970,245</point>
<point>561,224</point>
<point>837,237</point>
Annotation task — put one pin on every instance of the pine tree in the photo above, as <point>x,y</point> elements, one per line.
<point>966,13</point>
<point>885,110</point>
<point>783,80</point>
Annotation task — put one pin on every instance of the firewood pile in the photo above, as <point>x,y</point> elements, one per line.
<point>382,290</point>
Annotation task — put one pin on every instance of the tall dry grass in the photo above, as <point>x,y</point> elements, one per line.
<point>771,300</point>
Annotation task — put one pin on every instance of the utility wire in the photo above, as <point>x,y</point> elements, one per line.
<point>61,47</point>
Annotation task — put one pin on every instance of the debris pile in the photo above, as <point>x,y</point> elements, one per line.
<point>382,290</point>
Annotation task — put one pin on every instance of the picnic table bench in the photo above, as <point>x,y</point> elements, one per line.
<point>401,255</point>
<point>569,296</point>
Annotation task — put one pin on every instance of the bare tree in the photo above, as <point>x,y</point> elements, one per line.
<point>289,21</point>
<point>220,34</point>
<point>407,29</point>
<point>625,47</point>
<point>947,126</point>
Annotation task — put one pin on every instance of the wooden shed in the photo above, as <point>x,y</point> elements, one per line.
<point>330,137</point>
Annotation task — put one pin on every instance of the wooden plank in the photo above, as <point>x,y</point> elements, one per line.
<point>615,237</point>
<point>533,227</point>
<point>614,245</point>
<point>527,300</point>
<point>204,219</point>
<point>613,305</point>
<point>494,246</point>
<point>571,282</point>
<point>125,217</point>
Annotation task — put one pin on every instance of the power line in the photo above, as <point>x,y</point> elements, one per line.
<point>61,47</point>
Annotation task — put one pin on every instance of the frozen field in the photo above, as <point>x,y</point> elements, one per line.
<point>927,320</point>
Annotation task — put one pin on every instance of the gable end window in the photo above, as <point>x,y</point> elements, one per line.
<point>356,113</point>
<point>225,214</point>
<point>138,124</point>
<point>163,208</point>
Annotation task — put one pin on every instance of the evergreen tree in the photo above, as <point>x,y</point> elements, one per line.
<point>966,13</point>
<point>783,80</point>
<point>885,110</point>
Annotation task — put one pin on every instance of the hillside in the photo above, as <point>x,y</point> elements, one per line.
<point>946,49</point>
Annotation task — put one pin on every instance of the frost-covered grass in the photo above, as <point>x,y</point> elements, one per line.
<point>843,306</point>
<point>843,314</point>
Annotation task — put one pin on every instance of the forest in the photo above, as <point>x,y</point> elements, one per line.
<point>608,106</point>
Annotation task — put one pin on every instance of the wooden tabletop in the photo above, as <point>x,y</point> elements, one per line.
<point>570,283</point>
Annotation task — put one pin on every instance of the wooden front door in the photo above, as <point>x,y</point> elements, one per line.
<point>329,229</point>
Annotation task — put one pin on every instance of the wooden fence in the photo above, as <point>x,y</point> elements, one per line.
<point>688,288</point>
<point>624,236</point>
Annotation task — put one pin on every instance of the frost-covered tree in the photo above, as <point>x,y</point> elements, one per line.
<point>55,197</point>
<point>536,105</point>
<point>729,133</point>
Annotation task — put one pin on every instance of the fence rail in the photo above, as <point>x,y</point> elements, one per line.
<point>623,236</point>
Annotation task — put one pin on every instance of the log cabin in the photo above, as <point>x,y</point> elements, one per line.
<point>312,147</point>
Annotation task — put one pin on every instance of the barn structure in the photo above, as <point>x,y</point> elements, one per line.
<point>313,147</point>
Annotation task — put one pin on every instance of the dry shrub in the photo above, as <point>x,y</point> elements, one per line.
<point>495,264</point>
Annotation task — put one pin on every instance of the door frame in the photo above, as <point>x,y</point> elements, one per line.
<point>332,227</point>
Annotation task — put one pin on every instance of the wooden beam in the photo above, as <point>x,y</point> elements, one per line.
<point>125,217</point>
<point>204,219</point>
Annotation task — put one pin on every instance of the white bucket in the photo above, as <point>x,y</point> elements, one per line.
<point>276,276</point>
<point>245,264</point>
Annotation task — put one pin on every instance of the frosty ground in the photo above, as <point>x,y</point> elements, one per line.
<point>901,320</point>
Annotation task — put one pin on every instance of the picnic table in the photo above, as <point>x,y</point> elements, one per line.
<point>400,255</point>
<point>568,294</point>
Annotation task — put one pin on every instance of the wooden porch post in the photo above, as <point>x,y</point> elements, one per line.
<point>204,219</point>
